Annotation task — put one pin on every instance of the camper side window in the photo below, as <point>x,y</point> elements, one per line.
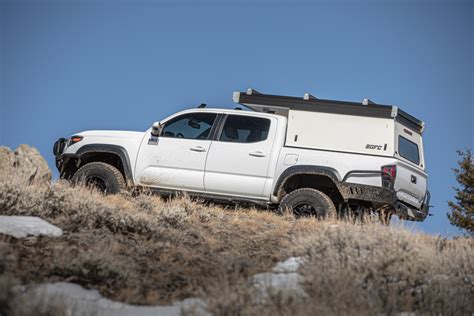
<point>408,150</point>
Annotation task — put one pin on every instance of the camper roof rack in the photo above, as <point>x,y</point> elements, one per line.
<point>280,104</point>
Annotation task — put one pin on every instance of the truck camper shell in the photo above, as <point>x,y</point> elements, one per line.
<point>364,128</point>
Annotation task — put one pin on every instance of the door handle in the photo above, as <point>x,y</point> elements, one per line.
<point>198,148</point>
<point>257,154</point>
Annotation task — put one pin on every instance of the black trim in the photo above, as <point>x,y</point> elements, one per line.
<point>105,148</point>
<point>216,127</point>
<point>401,209</point>
<point>59,146</point>
<point>214,197</point>
<point>409,121</point>
<point>329,106</point>
<point>378,196</point>
<point>352,172</point>
<point>349,191</point>
<point>221,127</point>
<point>317,105</point>
<point>304,169</point>
<point>340,151</point>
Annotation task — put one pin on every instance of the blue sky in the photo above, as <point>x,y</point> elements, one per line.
<point>67,66</point>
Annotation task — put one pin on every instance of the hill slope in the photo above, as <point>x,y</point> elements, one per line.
<point>147,250</point>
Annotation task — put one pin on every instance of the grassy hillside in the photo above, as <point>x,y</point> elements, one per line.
<point>147,250</point>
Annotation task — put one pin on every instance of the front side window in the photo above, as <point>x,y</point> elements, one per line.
<point>245,129</point>
<point>408,150</point>
<point>189,126</point>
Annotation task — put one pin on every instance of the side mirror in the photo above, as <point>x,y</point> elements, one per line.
<point>156,129</point>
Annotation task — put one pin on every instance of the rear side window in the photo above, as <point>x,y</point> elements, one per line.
<point>245,129</point>
<point>408,150</point>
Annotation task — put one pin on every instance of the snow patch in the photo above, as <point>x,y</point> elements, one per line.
<point>284,278</point>
<point>77,300</point>
<point>292,264</point>
<point>24,226</point>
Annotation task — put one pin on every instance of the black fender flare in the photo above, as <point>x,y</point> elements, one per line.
<point>113,149</point>
<point>306,169</point>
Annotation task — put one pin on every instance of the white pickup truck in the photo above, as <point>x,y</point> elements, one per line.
<point>312,156</point>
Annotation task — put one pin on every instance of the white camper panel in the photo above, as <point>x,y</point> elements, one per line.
<point>338,132</point>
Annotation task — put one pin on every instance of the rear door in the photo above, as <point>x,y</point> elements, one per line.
<point>238,160</point>
<point>411,179</point>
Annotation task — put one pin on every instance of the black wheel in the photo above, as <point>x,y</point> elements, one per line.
<point>102,176</point>
<point>308,202</point>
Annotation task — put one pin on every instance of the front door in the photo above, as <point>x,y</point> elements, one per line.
<point>177,158</point>
<point>238,160</point>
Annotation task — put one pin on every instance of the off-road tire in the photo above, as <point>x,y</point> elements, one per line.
<point>110,178</point>
<point>322,205</point>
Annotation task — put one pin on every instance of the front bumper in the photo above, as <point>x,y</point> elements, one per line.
<point>58,149</point>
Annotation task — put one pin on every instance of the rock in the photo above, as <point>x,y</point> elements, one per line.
<point>283,278</point>
<point>7,159</point>
<point>284,282</point>
<point>292,264</point>
<point>26,162</point>
<point>23,226</point>
<point>77,300</point>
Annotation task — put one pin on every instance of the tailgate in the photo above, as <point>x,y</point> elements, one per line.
<point>410,184</point>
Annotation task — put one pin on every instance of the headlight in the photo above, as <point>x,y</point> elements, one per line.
<point>74,139</point>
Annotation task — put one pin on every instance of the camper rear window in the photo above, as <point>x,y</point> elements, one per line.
<point>408,150</point>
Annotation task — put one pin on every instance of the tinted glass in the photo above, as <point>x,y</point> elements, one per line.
<point>245,129</point>
<point>408,150</point>
<point>189,126</point>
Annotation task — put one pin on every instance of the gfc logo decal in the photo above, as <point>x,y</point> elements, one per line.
<point>376,147</point>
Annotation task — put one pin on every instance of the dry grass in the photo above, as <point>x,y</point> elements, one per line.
<point>387,270</point>
<point>142,250</point>
<point>147,250</point>
<point>354,269</point>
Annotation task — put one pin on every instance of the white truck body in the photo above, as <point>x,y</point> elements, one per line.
<point>349,150</point>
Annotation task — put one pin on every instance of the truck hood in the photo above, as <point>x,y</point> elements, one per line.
<point>128,140</point>
<point>111,134</point>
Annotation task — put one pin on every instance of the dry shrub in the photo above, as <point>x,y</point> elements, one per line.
<point>374,269</point>
<point>365,269</point>
<point>140,249</point>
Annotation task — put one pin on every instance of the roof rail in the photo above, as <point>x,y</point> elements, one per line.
<point>367,102</point>
<point>308,96</point>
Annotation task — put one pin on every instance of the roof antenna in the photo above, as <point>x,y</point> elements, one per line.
<point>202,105</point>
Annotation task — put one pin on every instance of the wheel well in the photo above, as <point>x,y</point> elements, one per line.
<point>319,182</point>
<point>75,163</point>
